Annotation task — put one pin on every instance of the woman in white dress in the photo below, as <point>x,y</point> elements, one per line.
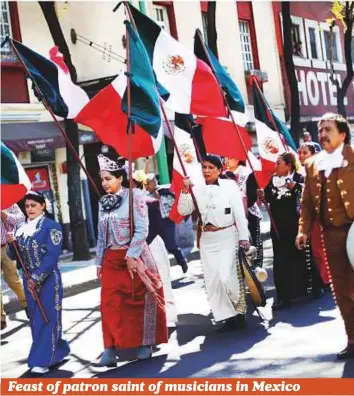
<point>223,231</point>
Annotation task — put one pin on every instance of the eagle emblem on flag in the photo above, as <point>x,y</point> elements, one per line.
<point>270,146</point>
<point>174,64</point>
<point>187,153</point>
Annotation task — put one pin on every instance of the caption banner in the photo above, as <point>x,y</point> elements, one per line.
<point>200,386</point>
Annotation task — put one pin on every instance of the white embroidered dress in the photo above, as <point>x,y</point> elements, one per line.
<point>221,205</point>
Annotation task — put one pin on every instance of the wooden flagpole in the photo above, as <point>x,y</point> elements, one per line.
<point>46,105</point>
<point>165,118</point>
<point>130,131</point>
<point>236,129</point>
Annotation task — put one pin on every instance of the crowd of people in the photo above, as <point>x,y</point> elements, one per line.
<point>311,205</point>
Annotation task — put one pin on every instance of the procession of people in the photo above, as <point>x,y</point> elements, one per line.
<point>310,201</point>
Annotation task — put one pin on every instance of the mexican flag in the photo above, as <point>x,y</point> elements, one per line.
<point>265,114</point>
<point>232,93</point>
<point>107,112</point>
<point>190,82</point>
<point>51,74</point>
<point>190,159</point>
<point>221,137</point>
<point>14,180</point>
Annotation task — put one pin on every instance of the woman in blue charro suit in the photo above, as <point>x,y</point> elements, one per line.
<point>40,242</point>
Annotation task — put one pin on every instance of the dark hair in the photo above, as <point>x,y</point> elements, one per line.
<point>341,123</point>
<point>289,159</point>
<point>310,146</point>
<point>121,173</point>
<point>138,184</point>
<point>228,175</point>
<point>37,197</point>
<point>214,159</point>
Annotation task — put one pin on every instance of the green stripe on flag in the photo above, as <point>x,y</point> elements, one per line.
<point>145,103</point>
<point>9,170</point>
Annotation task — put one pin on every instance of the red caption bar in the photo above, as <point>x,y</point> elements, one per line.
<point>198,386</point>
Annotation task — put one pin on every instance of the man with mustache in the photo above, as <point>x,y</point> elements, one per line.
<point>329,198</point>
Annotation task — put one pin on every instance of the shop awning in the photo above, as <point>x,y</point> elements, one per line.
<point>37,136</point>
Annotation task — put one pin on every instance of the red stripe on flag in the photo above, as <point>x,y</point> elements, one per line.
<point>11,194</point>
<point>105,116</point>
<point>220,137</point>
<point>176,187</point>
<point>206,98</point>
<point>263,176</point>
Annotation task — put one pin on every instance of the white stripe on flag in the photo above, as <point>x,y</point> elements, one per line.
<point>175,67</point>
<point>188,153</point>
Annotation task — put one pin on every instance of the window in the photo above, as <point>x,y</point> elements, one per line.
<point>313,44</point>
<point>5,25</point>
<point>205,26</point>
<point>297,43</point>
<point>246,46</point>
<point>161,17</point>
<point>330,42</point>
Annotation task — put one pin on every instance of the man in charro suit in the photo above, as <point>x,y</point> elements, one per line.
<point>329,197</point>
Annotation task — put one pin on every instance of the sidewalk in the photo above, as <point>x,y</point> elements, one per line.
<point>80,276</point>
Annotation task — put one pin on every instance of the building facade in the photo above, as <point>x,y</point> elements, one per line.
<point>247,41</point>
<point>313,46</point>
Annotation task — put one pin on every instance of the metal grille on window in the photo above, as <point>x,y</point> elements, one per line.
<point>331,41</point>
<point>246,47</point>
<point>312,35</point>
<point>5,25</point>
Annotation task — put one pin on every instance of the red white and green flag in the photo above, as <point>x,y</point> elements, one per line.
<point>14,180</point>
<point>107,112</point>
<point>189,156</point>
<point>192,86</point>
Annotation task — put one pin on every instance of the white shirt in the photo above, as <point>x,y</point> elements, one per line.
<point>220,205</point>
<point>29,227</point>
<point>327,161</point>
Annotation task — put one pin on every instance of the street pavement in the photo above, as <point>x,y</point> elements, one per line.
<point>299,342</point>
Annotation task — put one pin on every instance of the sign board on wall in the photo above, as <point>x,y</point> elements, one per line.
<point>39,178</point>
<point>318,94</point>
<point>43,155</point>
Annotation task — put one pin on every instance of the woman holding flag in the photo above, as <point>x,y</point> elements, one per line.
<point>223,231</point>
<point>132,301</point>
<point>40,241</point>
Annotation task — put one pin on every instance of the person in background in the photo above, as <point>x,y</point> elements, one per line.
<point>292,273</point>
<point>40,241</point>
<point>308,139</point>
<point>328,198</point>
<point>132,302</point>
<point>166,198</point>
<point>306,151</point>
<point>223,231</point>
<point>158,248</point>
<point>246,181</point>
<point>11,218</point>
